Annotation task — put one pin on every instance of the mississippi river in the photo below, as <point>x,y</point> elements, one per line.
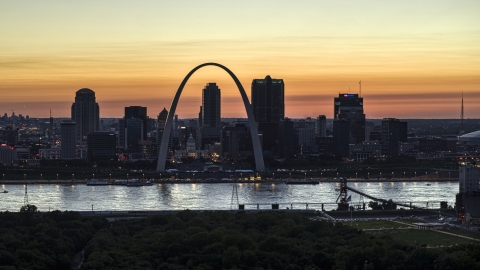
<point>203,196</point>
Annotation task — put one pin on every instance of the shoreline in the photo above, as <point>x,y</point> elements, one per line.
<point>183,181</point>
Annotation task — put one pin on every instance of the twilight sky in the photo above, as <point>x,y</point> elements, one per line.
<point>414,58</point>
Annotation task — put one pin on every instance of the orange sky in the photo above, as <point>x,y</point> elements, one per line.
<point>414,59</point>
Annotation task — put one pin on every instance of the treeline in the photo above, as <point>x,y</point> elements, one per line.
<point>32,240</point>
<point>210,240</point>
<point>267,240</point>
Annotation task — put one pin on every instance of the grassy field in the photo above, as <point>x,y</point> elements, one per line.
<point>426,238</point>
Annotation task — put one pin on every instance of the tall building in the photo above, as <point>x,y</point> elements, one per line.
<point>393,132</point>
<point>210,110</point>
<point>85,113</point>
<point>236,143</point>
<point>68,145</point>
<point>467,203</point>
<point>348,109</point>
<point>101,146</point>
<point>140,113</point>
<point>268,104</point>
<point>321,126</point>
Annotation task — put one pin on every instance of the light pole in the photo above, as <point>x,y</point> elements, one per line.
<point>143,176</point>
<point>403,176</point>
<point>426,176</point>
<point>24,176</point>
<point>380,175</point>
<point>337,175</point>
<point>3,177</point>
<point>241,176</point>
<point>93,176</point>
<point>355,176</point>
<point>73,176</point>
<point>321,175</point>
<point>127,176</point>
<point>448,175</point>
<point>437,174</point>
<point>193,176</point>
<point>273,176</point>
<point>160,176</point>
<point>305,176</point>
<point>368,175</point>
<point>415,175</point>
<point>393,175</point>
<point>41,178</point>
<point>110,176</point>
<point>290,176</point>
<point>57,176</point>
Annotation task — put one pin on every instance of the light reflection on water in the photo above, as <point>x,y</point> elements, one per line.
<point>212,196</point>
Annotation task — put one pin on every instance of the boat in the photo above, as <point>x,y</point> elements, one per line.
<point>138,183</point>
<point>96,182</point>
<point>309,182</point>
<point>5,191</point>
<point>122,182</point>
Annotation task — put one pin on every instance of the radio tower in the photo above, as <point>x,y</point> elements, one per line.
<point>462,120</point>
<point>25,199</point>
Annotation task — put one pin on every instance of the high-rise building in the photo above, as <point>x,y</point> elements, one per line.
<point>268,104</point>
<point>321,126</point>
<point>101,146</point>
<point>211,106</point>
<point>393,132</point>
<point>268,99</point>
<point>236,143</point>
<point>133,134</point>
<point>348,108</point>
<point>138,112</point>
<point>85,113</point>
<point>67,150</point>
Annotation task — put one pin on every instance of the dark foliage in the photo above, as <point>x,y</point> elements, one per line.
<point>269,240</point>
<point>33,240</point>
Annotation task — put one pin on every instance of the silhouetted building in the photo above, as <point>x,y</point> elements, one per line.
<point>236,143</point>
<point>348,109</point>
<point>133,134</point>
<point>140,113</point>
<point>211,106</point>
<point>85,113</point>
<point>286,139</point>
<point>325,145</point>
<point>68,146</point>
<point>393,132</point>
<point>321,126</point>
<point>101,146</point>
<point>268,103</point>
<point>9,135</point>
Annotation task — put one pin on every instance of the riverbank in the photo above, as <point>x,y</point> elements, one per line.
<point>189,181</point>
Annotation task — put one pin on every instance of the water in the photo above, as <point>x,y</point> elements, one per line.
<point>202,196</point>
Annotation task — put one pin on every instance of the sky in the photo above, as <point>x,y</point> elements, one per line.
<point>414,58</point>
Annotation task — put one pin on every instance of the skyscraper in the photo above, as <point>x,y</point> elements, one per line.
<point>268,99</point>
<point>138,112</point>
<point>210,106</point>
<point>67,150</point>
<point>268,104</point>
<point>348,108</point>
<point>393,132</point>
<point>321,126</point>
<point>85,113</point>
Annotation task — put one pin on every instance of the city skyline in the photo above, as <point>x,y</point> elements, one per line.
<point>414,59</point>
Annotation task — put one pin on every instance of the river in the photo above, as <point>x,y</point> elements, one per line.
<point>204,196</point>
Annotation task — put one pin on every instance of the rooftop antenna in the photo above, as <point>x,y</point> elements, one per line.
<point>360,83</point>
<point>462,120</point>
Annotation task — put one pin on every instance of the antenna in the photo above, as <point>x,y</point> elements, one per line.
<point>462,120</point>
<point>25,199</point>
<point>360,83</point>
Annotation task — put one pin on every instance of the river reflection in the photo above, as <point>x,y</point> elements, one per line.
<point>215,196</point>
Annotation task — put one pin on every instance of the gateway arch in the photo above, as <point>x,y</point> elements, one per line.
<point>257,149</point>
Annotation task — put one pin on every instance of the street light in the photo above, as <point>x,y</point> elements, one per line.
<point>73,176</point>
<point>290,176</point>
<point>403,176</point>
<point>110,176</point>
<point>24,176</point>
<point>143,176</point>
<point>305,176</point>
<point>93,176</point>
<point>273,176</point>
<point>393,175</point>
<point>415,175</point>
<point>368,175</point>
<point>355,176</point>
<point>337,175</point>
<point>437,174</point>
<point>57,176</point>
<point>426,176</point>
<point>41,178</point>
<point>380,175</point>
<point>321,176</point>
<point>193,176</point>
<point>3,177</point>
<point>127,176</point>
<point>241,176</point>
<point>448,175</point>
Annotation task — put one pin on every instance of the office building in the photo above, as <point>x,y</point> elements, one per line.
<point>236,143</point>
<point>348,123</point>
<point>321,126</point>
<point>268,104</point>
<point>468,200</point>
<point>140,113</point>
<point>85,113</point>
<point>210,110</point>
<point>393,132</point>
<point>133,134</point>
<point>101,146</point>
<point>68,143</point>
